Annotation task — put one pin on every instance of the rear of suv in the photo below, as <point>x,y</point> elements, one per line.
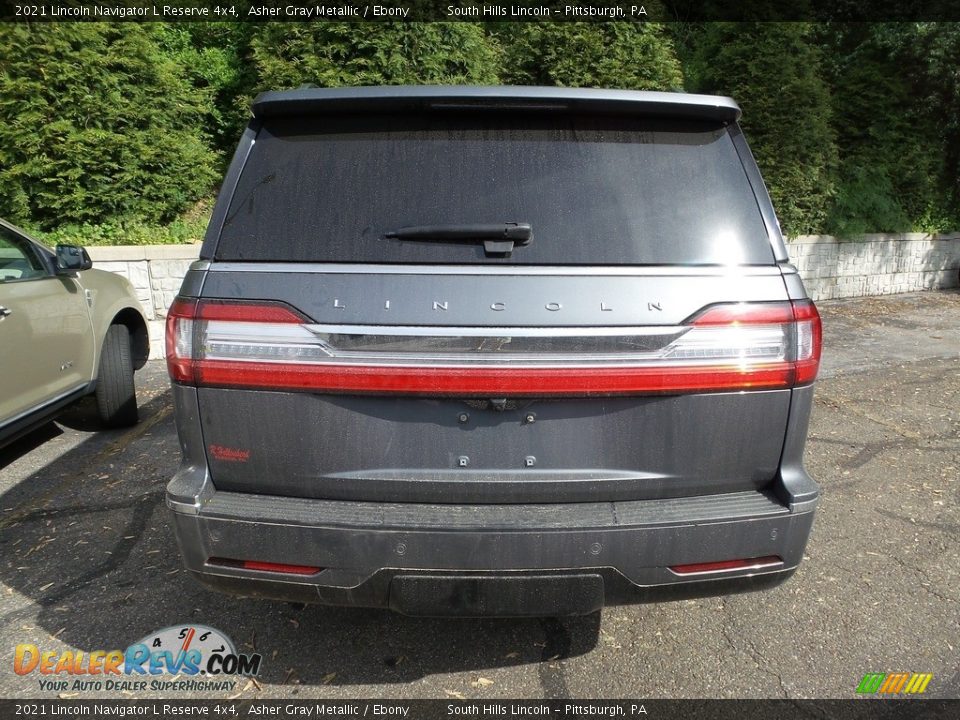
<point>492,351</point>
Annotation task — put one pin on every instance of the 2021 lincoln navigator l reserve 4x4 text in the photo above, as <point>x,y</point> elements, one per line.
<point>502,351</point>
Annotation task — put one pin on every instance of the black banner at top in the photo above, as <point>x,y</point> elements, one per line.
<point>478,11</point>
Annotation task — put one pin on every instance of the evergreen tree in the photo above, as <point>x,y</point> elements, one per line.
<point>97,122</point>
<point>928,57</point>
<point>217,58</point>
<point>287,55</point>
<point>616,55</point>
<point>773,70</point>
<point>892,169</point>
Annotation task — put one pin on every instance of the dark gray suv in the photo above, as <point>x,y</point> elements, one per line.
<point>492,351</point>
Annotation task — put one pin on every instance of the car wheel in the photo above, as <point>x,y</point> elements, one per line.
<point>115,393</point>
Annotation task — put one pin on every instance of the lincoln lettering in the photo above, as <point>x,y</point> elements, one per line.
<point>498,306</point>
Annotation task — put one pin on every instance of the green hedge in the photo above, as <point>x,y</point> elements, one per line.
<point>620,55</point>
<point>855,126</point>
<point>98,122</point>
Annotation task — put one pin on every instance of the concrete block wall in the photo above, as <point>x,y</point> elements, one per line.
<point>830,268</point>
<point>156,272</point>
<point>881,264</point>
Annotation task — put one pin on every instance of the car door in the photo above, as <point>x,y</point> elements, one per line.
<point>46,337</point>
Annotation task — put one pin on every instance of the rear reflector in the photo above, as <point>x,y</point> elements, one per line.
<point>268,345</point>
<point>266,566</point>
<point>760,563</point>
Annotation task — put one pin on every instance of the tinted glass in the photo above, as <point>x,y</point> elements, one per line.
<point>604,191</point>
<point>18,261</point>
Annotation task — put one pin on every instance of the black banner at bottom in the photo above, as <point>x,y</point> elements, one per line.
<point>914,709</point>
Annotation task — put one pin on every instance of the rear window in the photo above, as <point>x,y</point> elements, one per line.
<point>597,191</point>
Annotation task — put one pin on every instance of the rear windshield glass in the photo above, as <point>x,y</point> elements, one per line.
<point>596,191</point>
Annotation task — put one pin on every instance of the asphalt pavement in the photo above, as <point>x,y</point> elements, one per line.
<point>88,560</point>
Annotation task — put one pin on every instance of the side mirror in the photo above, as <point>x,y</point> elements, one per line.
<point>71,259</point>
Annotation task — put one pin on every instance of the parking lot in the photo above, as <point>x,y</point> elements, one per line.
<point>89,560</point>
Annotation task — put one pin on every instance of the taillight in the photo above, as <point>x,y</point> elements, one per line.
<point>790,331</point>
<point>281,568</point>
<point>179,340</point>
<point>188,328</point>
<point>269,345</point>
<point>760,563</point>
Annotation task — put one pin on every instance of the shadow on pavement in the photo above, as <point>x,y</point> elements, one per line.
<point>87,540</point>
<point>28,443</point>
<point>82,416</point>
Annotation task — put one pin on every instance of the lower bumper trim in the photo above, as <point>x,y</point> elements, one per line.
<point>440,560</point>
<point>485,595</point>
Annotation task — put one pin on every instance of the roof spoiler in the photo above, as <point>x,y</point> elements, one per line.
<point>399,98</point>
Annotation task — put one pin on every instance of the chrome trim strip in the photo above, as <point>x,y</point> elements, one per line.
<point>726,571</point>
<point>494,332</point>
<point>182,507</point>
<point>562,270</point>
<point>396,346</point>
<point>504,362</point>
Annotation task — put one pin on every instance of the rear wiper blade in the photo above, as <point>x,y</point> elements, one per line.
<point>497,238</point>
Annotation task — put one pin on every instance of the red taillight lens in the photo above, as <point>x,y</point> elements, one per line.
<point>760,563</point>
<point>281,568</point>
<point>730,314</point>
<point>252,344</point>
<point>248,311</point>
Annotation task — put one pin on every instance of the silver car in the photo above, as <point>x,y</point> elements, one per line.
<point>66,331</point>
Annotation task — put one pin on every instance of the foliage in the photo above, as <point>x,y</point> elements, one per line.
<point>892,176</point>
<point>866,201</point>
<point>930,54</point>
<point>126,232</point>
<point>216,58</point>
<point>96,121</point>
<point>619,55</point>
<point>773,71</point>
<point>287,55</point>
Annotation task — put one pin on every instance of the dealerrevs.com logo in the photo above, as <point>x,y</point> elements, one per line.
<point>207,657</point>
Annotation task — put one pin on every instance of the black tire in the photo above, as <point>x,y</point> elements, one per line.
<point>115,393</point>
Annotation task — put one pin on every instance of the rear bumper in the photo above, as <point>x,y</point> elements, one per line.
<point>551,559</point>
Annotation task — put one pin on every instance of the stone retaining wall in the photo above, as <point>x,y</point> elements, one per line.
<point>156,272</point>
<point>876,264</point>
